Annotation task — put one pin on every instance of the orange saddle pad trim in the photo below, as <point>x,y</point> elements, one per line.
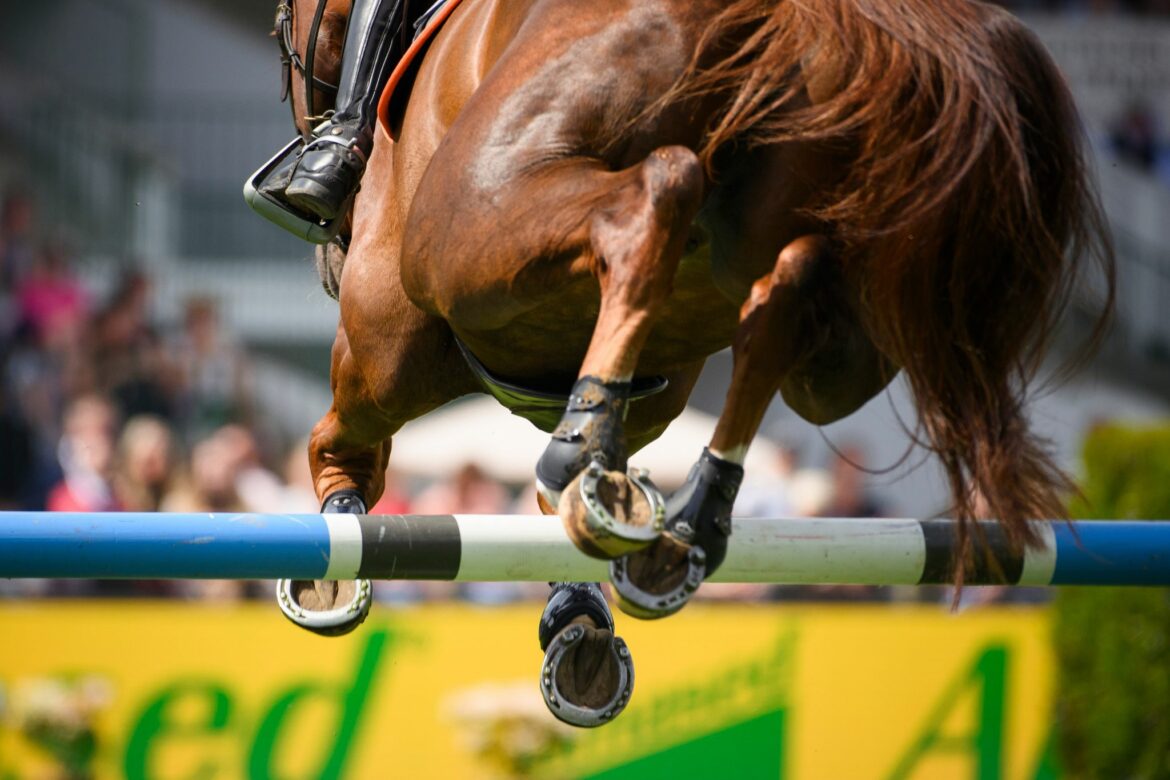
<point>409,60</point>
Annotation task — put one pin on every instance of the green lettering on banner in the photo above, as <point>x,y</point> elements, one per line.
<point>1048,764</point>
<point>751,750</point>
<point>158,722</point>
<point>985,744</point>
<point>351,702</point>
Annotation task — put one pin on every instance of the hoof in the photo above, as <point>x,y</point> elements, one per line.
<point>587,676</point>
<point>608,514</point>
<point>325,608</point>
<point>658,581</point>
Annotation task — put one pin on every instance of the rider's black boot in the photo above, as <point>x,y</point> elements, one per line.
<point>331,166</point>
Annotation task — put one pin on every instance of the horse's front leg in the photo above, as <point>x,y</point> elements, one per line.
<point>637,240</point>
<point>391,363</point>
<point>798,334</point>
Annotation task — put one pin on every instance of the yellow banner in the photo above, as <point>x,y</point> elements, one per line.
<point>188,692</point>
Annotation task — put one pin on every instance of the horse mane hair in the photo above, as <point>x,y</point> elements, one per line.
<point>966,215</point>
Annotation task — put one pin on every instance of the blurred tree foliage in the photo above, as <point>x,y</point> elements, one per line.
<point>1113,644</point>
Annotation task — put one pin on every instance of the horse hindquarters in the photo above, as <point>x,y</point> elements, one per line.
<point>963,213</point>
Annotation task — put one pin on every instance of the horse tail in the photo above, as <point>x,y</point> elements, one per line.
<point>965,214</point>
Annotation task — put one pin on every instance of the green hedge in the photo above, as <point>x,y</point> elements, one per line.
<point>1113,644</point>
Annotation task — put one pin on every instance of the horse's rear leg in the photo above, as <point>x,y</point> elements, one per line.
<point>798,333</point>
<point>637,240</point>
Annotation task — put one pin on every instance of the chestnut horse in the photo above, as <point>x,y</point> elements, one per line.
<point>582,198</point>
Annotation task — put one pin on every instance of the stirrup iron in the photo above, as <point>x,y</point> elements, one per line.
<point>304,226</point>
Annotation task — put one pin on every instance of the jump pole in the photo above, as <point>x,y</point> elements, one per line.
<point>511,548</point>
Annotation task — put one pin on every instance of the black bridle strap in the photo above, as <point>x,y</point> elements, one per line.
<point>311,56</point>
<point>291,59</point>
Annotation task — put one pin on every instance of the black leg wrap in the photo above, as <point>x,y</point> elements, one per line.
<point>699,512</point>
<point>563,642</point>
<point>569,601</point>
<point>698,515</point>
<point>344,502</point>
<point>590,430</point>
<point>346,617</point>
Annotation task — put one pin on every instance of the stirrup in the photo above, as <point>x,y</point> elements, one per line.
<point>304,226</point>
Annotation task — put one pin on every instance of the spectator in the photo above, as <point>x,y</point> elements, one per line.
<point>849,495</point>
<point>812,492</point>
<point>213,371</point>
<point>258,488</point>
<point>769,495</point>
<point>16,462</point>
<point>395,498</point>
<point>17,247</point>
<point>469,491</point>
<point>86,455</point>
<point>146,464</point>
<point>1134,136</point>
<point>46,363</point>
<point>44,368</point>
<point>210,485</point>
<point>130,363</point>
<point>50,297</point>
<point>300,495</point>
<point>17,449</point>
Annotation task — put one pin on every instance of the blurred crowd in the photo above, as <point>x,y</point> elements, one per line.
<point>97,397</point>
<point>1137,135</point>
<point>103,409</point>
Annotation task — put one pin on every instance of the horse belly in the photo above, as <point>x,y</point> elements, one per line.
<point>697,322</point>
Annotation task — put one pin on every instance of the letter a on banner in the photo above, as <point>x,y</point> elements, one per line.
<point>987,677</point>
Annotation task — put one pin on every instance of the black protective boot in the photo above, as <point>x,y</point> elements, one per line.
<point>330,168</point>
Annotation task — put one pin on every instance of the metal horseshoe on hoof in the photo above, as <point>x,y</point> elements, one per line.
<point>615,536</point>
<point>330,622</point>
<point>642,604</point>
<point>575,714</point>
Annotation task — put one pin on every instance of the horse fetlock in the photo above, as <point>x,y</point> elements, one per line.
<point>589,431</point>
<point>608,514</point>
<point>699,512</point>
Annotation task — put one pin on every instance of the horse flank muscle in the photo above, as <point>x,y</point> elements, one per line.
<point>939,105</point>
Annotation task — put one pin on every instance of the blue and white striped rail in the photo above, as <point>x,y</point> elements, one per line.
<point>519,548</point>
